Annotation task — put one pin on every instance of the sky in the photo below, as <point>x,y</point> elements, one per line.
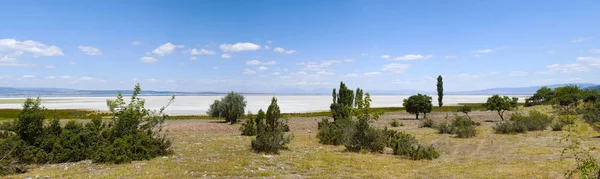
<point>310,45</point>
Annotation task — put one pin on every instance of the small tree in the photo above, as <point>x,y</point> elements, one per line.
<point>465,109</point>
<point>590,96</point>
<point>514,102</point>
<point>231,107</point>
<point>271,139</point>
<point>566,97</point>
<point>419,103</point>
<point>499,104</point>
<point>440,91</point>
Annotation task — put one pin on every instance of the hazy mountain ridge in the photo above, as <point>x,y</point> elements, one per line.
<point>25,92</point>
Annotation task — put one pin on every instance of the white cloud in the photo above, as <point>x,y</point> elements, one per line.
<point>325,73</point>
<point>275,73</point>
<point>348,60</point>
<point>73,63</point>
<point>215,68</point>
<point>591,61</point>
<point>148,59</point>
<point>28,76</point>
<point>269,42</point>
<point>152,80</point>
<point>365,54</point>
<point>595,50</point>
<point>240,46</point>
<point>257,62</point>
<point>267,47</point>
<point>194,58</point>
<point>86,78</point>
<point>518,73</point>
<point>551,51</point>
<point>262,68</point>
<point>484,51</point>
<point>387,57</point>
<point>467,76</point>
<point>282,50</point>
<point>89,50</point>
<point>414,57</point>
<point>300,73</point>
<point>225,55</point>
<point>11,60</point>
<point>565,68</point>
<point>317,66</point>
<point>395,67</point>
<point>450,57</point>
<point>352,75</point>
<point>166,49</point>
<point>201,52</point>
<point>136,43</point>
<point>134,79</point>
<point>369,74</point>
<point>50,67</point>
<point>30,46</point>
<point>66,77</point>
<point>249,72</point>
<point>581,39</point>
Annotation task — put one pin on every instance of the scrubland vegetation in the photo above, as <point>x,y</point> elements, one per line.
<point>352,140</point>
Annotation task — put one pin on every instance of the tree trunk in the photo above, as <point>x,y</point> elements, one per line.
<point>424,115</point>
<point>417,115</point>
<point>501,115</point>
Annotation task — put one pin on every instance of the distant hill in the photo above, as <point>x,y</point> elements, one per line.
<point>594,87</point>
<point>518,90</point>
<point>46,92</point>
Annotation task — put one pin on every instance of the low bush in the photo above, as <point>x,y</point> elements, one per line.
<point>567,119</point>
<point>406,145</point>
<point>333,133</point>
<point>395,123</point>
<point>535,121</point>
<point>134,133</point>
<point>558,126</point>
<point>426,122</point>
<point>463,127</point>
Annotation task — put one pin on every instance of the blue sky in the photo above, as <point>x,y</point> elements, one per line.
<point>264,46</point>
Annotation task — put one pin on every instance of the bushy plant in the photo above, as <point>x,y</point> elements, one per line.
<point>249,126</point>
<point>465,110</point>
<point>427,123</point>
<point>230,107</point>
<point>271,137</point>
<point>535,121</point>
<point>499,104</point>
<point>558,126</point>
<point>134,133</point>
<point>396,123</point>
<point>363,136</point>
<point>406,145</point>
<point>336,131</point>
<point>461,126</point>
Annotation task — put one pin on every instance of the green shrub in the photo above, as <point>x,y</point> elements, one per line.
<point>463,127</point>
<point>406,145</point>
<point>426,122</point>
<point>592,114</point>
<point>567,119</point>
<point>134,133</point>
<point>535,121</point>
<point>333,133</point>
<point>249,128</point>
<point>230,107</point>
<point>395,123</point>
<point>271,138</point>
<point>557,126</point>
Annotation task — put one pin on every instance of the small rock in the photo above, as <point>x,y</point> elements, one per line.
<point>66,168</point>
<point>261,169</point>
<point>550,158</point>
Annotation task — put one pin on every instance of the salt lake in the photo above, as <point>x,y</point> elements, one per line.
<point>195,105</point>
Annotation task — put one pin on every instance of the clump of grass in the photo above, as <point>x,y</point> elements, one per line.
<point>396,123</point>
<point>406,145</point>
<point>426,122</point>
<point>557,126</point>
<point>462,126</point>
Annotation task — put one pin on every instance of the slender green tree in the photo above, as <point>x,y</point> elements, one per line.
<point>499,104</point>
<point>440,91</point>
<point>271,139</point>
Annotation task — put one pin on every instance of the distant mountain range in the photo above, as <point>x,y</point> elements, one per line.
<point>25,92</point>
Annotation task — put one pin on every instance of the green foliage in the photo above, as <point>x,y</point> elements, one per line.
<point>134,133</point>
<point>557,126</point>
<point>591,115</point>
<point>440,91</point>
<point>566,97</point>
<point>542,96</point>
<point>587,166</point>
<point>416,104</point>
<point>230,107</point>
<point>465,109</point>
<point>463,127</point>
<point>499,104</point>
<point>271,138</point>
<point>249,126</point>
<point>535,121</point>
<point>406,145</point>
<point>567,119</point>
<point>590,96</point>
<point>335,133</point>
<point>363,136</point>
<point>395,123</point>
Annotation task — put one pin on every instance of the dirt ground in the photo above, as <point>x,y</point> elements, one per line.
<point>212,149</point>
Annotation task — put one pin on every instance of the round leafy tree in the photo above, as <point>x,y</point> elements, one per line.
<point>419,103</point>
